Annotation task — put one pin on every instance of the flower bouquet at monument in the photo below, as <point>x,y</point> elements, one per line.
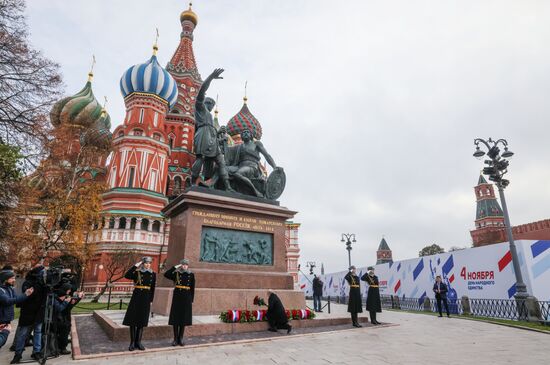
<point>259,301</point>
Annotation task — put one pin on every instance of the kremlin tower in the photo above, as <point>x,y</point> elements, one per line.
<point>489,217</point>
<point>383,254</point>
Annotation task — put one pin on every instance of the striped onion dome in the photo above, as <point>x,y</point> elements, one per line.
<point>244,119</point>
<point>81,109</point>
<point>150,78</point>
<point>99,134</point>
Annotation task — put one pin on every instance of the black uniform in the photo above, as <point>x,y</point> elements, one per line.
<point>354,303</point>
<point>181,311</point>
<point>139,308</point>
<point>276,314</point>
<point>373,297</point>
<point>137,314</point>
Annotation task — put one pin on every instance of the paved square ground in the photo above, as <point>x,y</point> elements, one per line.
<point>419,339</point>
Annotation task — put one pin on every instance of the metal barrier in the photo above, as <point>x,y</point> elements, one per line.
<point>498,308</point>
<point>511,309</point>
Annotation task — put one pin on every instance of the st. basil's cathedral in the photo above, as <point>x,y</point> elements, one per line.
<point>152,155</point>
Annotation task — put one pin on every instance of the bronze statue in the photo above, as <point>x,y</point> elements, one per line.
<point>244,164</point>
<point>206,147</point>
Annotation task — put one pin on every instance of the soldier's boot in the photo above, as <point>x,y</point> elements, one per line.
<point>180,336</point>
<point>176,338</point>
<point>139,335</point>
<point>132,338</point>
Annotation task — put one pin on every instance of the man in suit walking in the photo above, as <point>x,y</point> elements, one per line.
<point>440,290</point>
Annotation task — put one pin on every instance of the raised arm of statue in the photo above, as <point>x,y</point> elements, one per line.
<point>267,156</point>
<point>206,84</point>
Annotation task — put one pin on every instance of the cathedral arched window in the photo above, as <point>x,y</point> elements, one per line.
<point>111,222</point>
<point>141,114</point>
<point>156,226</point>
<point>177,183</point>
<point>157,136</point>
<point>137,132</point>
<point>167,185</point>
<point>133,222</point>
<point>144,224</point>
<point>122,223</point>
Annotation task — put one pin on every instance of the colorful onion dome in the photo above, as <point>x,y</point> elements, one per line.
<point>150,78</point>
<point>81,109</point>
<point>99,135</point>
<point>189,15</point>
<point>99,138</point>
<point>244,119</point>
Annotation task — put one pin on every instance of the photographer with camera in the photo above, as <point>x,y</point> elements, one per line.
<point>60,301</point>
<point>137,314</point>
<point>8,298</point>
<point>68,280</point>
<point>32,314</point>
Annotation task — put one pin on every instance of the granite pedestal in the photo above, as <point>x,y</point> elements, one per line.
<point>227,285</point>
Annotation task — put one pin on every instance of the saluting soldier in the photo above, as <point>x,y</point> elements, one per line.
<point>181,311</point>
<point>354,304</point>
<point>373,295</point>
<point>137,314</point>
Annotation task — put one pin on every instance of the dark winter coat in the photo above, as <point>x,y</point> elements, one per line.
<point>373,295</point>
<point>181,311</point>
<point>354,303</point>
<point>8,298</point>
<point>442,291</point>
<point>32,309</point>
<point>317,287</point>
<point>139,308</point>
<point>276,314</point>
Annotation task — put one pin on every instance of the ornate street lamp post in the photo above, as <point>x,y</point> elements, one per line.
<point>348,238</point>
<point>497,167</point>
<point>311,265</point>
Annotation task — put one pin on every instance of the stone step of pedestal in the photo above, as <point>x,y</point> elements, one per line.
<point>111,323</point>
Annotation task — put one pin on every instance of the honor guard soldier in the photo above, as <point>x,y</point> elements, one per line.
<point>137,314</point>
<point>373,296</point>
<point>354,303</point>
<point>181,311</point>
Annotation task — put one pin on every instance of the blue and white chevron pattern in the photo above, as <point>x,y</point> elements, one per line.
<point>150,77</point>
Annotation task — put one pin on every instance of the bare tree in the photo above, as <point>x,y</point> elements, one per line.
<point>117,263</point>
<point>29,85</point>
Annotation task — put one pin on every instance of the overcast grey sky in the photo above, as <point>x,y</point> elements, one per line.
<point>370,106</point>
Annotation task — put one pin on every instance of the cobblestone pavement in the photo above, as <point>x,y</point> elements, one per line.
<point>419,339</point>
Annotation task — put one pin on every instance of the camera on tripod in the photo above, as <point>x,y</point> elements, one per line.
<point>53,276</point>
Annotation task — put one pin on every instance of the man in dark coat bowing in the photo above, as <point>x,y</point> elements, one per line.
<point>276,314</point>
<point>137,314</point>
<point>181,311</point>
<point>354,303</point>
<point>374,305</point>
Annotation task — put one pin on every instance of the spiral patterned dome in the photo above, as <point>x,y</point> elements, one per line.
<point>244,119</point>
<point>99,135</point>
<point>81,109</point>
<point>150,78</point>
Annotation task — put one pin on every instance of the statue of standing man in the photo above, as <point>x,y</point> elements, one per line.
<point>206,147</point>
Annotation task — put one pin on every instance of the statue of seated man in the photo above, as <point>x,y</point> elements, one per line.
<point>244,161</point>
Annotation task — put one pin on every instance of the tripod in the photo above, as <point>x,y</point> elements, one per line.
<point>48,317</point>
